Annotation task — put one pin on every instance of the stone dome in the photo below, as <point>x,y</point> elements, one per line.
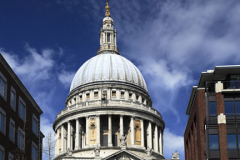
<point>108,67</point>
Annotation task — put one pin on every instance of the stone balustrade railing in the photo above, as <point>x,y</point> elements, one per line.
<point>112,103</point>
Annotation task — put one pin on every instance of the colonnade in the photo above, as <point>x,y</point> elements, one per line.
<point>89,132</point>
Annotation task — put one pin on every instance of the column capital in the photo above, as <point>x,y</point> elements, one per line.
<point>121,115</point>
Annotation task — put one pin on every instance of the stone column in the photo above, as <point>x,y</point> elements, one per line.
<point>87,131</point>
<point>77,135</point>
<point>98,130</point>
<point>160,141</point>
<point>142,133</point>
<point>56,142</point>
<point>132,131</point>
<point>62,139</point>
<point>121,125</point>
<point>156,138</point>
<point>110,131</point>
<point>150,135</point>
<point>69,135</point>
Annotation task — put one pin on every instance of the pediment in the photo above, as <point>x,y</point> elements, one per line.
<point>123,155</point>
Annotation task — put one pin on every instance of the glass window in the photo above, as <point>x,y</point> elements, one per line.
<point>11,131</point>
<point>21,110</point>
<point>1,155</point>
<point>213,142</point>
<point>12,100</point>
<point>114,93</point>
<point>20,140</point>
<point>114,140</point>
<point>237,108</point>
<point>130,95</point>
<point>34,153</point>
<point>122,94</point>
<point>232,141</point>
<point>212,108</point>
<point>229,109</point>
<point>35,126</point>
<point>2,122</point>
<point>2,87</point>
<point>95,94</point>
<point>105,140</point>
<point>108,37</point>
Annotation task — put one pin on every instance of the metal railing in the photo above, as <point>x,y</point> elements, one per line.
<point>235,84</point>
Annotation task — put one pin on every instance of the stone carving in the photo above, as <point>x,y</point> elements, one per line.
<point>123,158</point>
<point>69,153</point>
<point>149,152</point>
<point>123,142</point>
<point>97,151</point>
<point>175,155</point>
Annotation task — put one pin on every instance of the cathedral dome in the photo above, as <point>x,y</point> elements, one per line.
<point>108,67</point>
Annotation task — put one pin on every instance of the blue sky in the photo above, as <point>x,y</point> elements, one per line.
<point>171,42</point>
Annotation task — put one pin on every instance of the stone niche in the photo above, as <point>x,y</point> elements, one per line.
<point>92,130</point>
<point>137,132</point>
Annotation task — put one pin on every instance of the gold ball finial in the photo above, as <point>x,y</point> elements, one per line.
<point>107,10</point>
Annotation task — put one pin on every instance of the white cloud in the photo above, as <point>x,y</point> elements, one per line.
<point>33,67</point>
<point>172,142</point>
<point>66,77</point>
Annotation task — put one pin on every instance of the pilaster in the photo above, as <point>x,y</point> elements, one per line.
<point>110,131</point>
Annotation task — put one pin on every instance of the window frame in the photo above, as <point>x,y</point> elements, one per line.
<point>14,105</point>
<point>24,105</point>
<point>3,151</point>
<point>10,155</point>
<point>36,147</point>
<point>23,133</point>
<point>4,127</point>
<point>12,122</point>
<point>37,123</point>
<point>5,89</point>
<point>209,142</point>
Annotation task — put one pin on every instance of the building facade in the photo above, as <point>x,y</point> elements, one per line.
<point>108,112</point>
<point>20,135</point>
<point>213,127</point>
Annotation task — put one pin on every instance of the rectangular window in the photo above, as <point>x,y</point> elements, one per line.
<point>114,93</point>
<point>10,156</point>
<point>232,141</point>
<point>3,85</point>
<point>2,120</point>
<point>20,139</point>
<point>12,99</point>
<point>130,95</point>
<point>88,95</point>
<point>108,37</point>
<point>34,152</point>
<point>114,139</point>
<point>212,108</point>
<point>105,140</point>
<point>239,141</point>
<point>21,110</point>
<point>95,94</point>
<point>213,142</point>
<point>122,94</point>
<point>12,130</point>
<point>229,108</point>
<point>35,125</point>
<point>237,108</point>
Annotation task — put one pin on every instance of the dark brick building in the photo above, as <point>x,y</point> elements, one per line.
<point>20,135</point>
<point>213,127</point>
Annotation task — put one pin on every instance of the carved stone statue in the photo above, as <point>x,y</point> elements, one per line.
<point>69,153</point>
<point>97,151</point>
<point>175,155</point>
<point>123,143</point>
<point>149,152</point>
